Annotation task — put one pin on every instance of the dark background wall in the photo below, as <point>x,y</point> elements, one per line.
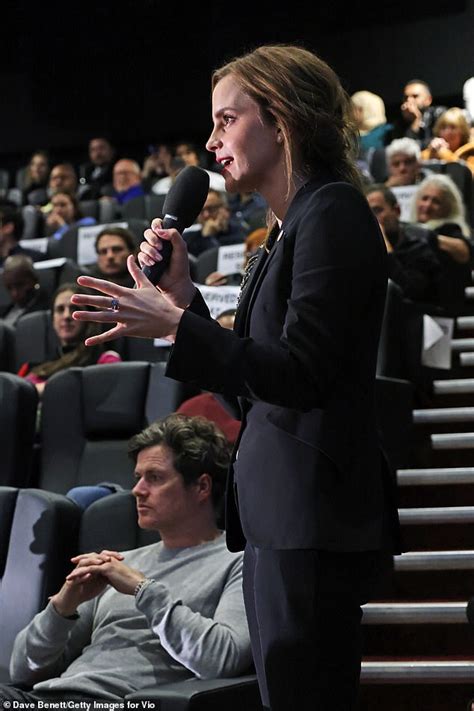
<point>139,71</point>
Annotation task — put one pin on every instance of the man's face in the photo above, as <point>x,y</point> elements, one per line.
<point>126,175</point>
<point>419,94</point>
<point>164,503</point>
<point>100,151</point>
<point>112,253</point>
<point>213,209</point>
<point>19,285</point>
<point>403,169</point>
<point>62,179</point>
<point>387,215</point>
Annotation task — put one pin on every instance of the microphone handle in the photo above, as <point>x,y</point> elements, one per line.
<point>155,272</point>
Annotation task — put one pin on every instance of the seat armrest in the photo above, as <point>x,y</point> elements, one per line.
<point>204,695</point>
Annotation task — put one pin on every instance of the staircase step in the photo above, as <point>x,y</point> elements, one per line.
<point>466,359</point>
<point>421,613</point>
<point>436,515</point>
<point>443,414</point>
<point>465,323</point>
<point>434,561</point>
<point>441,476</point>
<point>450,387</point>
<point>418,672</point>
<point>453,440</point>
<point>461,344</point>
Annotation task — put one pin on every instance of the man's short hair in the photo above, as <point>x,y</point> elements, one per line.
<point>11,213</point>
<point>407,146</point>
<point>388,195</point>
<point>419,81</point>
<point>198,447</point>
<point>121,232</point>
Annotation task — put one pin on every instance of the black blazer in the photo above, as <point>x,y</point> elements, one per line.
<point>307,467</point>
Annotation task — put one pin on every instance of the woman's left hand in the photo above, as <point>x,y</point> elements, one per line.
<point>142,312</point>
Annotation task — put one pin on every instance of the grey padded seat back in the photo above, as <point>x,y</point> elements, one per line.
<point>206,263</point>
<point>7,348</point>
<point>35,339</point>
<point>111,523</point>
<point>18,404</point>
<point>145,207</point>
<point>101,210</point>
<point>4,182</point>
<point>32,222</point>
<point>42,538</point>
<point>88,416</point>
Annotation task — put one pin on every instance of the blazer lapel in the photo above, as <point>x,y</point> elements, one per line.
<point>256,282</point>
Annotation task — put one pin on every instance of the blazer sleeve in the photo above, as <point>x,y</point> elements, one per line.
<point>338,267</point>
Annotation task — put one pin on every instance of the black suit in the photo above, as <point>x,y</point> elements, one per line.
<point>308,471</point>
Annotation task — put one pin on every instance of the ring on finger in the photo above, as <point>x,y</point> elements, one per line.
<point>115,305</point>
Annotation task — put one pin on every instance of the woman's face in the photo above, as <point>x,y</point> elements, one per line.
<point>430,204</point>
<point>63,206</point>
<point>39,168</point>
<point>249,149</point>
<point>67,330</point>
<point>452,134</point>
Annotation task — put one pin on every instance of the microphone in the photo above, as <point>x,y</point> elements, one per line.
<point>183,203</point>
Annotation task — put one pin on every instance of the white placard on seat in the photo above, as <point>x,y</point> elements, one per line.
<point>404,195</point>
<point>230,258</point>
<point>219,298</point>
<point>40,244</point>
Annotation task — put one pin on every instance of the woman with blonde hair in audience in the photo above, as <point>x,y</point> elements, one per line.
<point>452,139</point>
<point>369,113</point>
<point>438,206</point>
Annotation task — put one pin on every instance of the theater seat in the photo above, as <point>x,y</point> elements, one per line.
<point>38,537</point>
<point>89,415</point>
<point>18,403</point>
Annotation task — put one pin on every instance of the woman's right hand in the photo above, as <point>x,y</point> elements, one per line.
<point>176,283</point>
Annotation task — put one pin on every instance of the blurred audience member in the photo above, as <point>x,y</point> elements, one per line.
<point>438,205</point>
<point>63,178</point>
<point>418,114</point>
<point>250,208</point>
<point>21,282</point>
<point>36,175</point>
<point>468,98</point>
<point>369,110</point>
<point>11,230</point>
<point>452,139</point>
<point>412,260</point>
<point>403,162</point>
<point>96,175</point>
<point>156,165</point>
<point>162,186</point>
<point>113,246</point>
<point>71,335</point>
<point>214,226</point>
<point>127,181</point>
<point>188,152</point>
<point>65,213</point>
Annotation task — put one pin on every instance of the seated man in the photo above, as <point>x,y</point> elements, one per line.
<point>21,282</point>
<point>113,246</point>
<point>403,157</point>
<point>416,257</point>
<point>215,226</point>
<point>11,230</point>
<point>418,113</point>
<point>165,612</point>
<point>96,174</point>
<point>127,181</point>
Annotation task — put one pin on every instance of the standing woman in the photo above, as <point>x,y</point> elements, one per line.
<point>306,493</point>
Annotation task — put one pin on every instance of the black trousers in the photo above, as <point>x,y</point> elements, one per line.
<point>303,610</point>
